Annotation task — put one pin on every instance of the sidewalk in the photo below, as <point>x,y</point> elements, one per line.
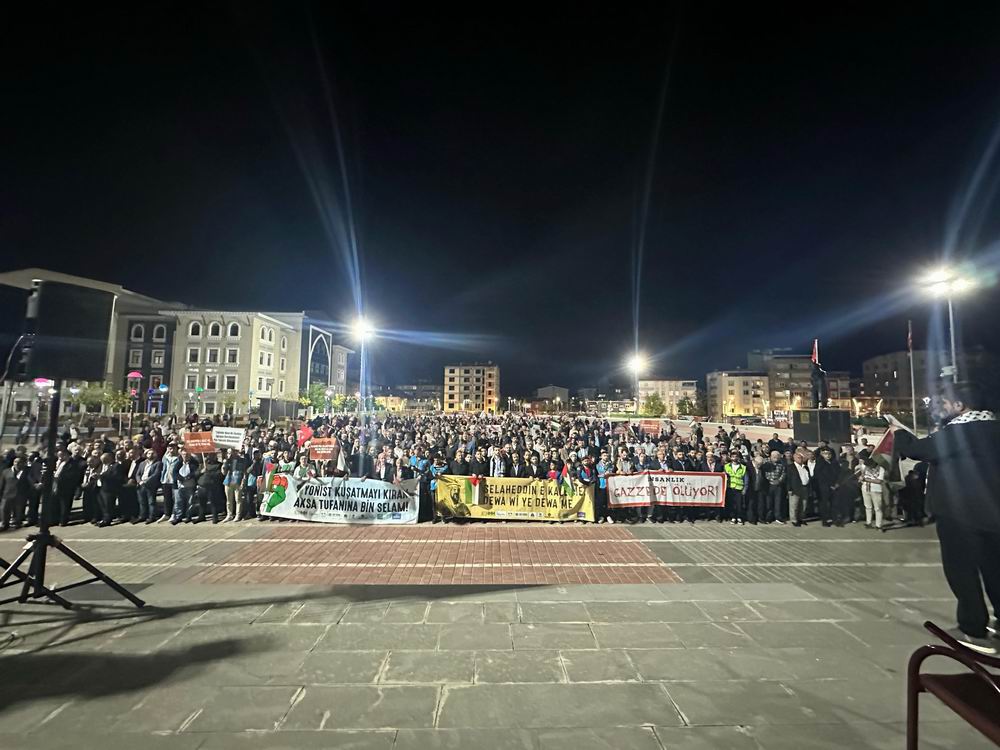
<point>761,638</point>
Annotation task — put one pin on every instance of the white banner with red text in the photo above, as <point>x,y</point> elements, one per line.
<point>687,489</point>
<point>340,500</point>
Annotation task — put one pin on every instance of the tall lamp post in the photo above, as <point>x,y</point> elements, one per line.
<point>637,365</point>
<point>949,283</point>
<point>362,330</point>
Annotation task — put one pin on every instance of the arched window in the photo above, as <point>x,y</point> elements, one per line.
<point>159,332</point>
<point>284,343</point>
<point>138,332</point>
<point>234,330</point>
<point>263,334</point>
<point>215,329</point>
<point>194,330</point>
<point>270,335</point>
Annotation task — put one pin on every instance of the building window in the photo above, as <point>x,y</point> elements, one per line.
<point>212,356</point>
<point>158,357</point>
<point>260,384</point>
<point>234,330</point>
<point>282,364</point>
<point>190,382</point>
<point>194,330</point>
<point>189,407</point>
<point>263,334</point>
<point>194,355</point>
<point>232,356</point>
<point>270,335</point>
<point>215,330</point>
<point>281,386</point>
<point>284,343</point>
<point>260,359</point>
<point>230,382</point>
<point>138,332</point>
<point>135,357</point>
<point>155,382</point>
<point>209,407</point>
<point>270,359</point>
<point>451,387</point>
<point>211,382</point>
<point>340,375</point>
<point>159,332</point>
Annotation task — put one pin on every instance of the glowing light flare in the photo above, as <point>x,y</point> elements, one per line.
<point>947,282</point>
<point>362,329</point>
<point>637,364</point>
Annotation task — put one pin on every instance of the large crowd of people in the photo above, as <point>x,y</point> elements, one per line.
<point>150,477</point>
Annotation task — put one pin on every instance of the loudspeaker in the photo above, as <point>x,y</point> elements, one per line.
<point>813,425</point>
<point>70,326</point>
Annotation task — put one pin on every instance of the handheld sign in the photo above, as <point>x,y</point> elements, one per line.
<point>199,442</point>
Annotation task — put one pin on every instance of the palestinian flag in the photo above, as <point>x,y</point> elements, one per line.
<point>470,490</point>
<point>885,454</point>
<point>565,481</point>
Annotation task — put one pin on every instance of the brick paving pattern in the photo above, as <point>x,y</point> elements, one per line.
<point>473,554</point>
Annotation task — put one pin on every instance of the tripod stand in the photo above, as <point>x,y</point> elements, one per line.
<point>33,582</point>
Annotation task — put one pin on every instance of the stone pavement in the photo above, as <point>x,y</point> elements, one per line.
<point>508,636</point>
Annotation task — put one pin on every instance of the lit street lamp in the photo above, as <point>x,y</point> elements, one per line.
<point>949,283</point>
<point>637,364</point>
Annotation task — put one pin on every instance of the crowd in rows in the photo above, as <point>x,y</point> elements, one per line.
<point>151,477</point>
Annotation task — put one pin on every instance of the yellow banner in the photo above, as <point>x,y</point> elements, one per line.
<point>508,499</point>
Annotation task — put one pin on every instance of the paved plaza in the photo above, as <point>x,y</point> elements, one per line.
<point>520,637</point>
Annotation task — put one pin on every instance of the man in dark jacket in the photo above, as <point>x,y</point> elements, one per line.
<point>148,473</point>
<point>110,479</point>
<point>825,477</point>
<point>15,486</point>
<point>65,482</point>
<point>962,489</point>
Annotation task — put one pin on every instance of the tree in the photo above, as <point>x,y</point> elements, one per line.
<point>229,402</point>
<point>314,397</point>
<point>342,402</point>
<point>684,407</point>
<point>700,404</point>
<point>653,406</point>
<point>117,402</point>
<point>86,397</point>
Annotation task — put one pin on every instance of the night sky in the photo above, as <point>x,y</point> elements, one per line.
<point>805,169</point>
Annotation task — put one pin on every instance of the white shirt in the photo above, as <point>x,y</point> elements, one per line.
<point>803,473</point>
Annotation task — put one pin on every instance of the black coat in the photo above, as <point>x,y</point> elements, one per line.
<point>963,484</point>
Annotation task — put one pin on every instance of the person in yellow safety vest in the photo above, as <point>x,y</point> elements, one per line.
<point>736,488</point>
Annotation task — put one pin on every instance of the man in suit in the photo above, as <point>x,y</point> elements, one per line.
<point>65,482</point>
<point>110,479</point>
<point>962,489</point>
<point>148,474</point>
<point>15,486</point>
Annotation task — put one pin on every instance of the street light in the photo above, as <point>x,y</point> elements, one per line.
<point>329,396</point>
<point>949,283</point>
<point>637,364</point>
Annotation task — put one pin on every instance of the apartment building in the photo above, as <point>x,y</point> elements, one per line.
<point>472,387</point>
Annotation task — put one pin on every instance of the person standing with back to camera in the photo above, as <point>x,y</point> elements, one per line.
<point>963,489</point>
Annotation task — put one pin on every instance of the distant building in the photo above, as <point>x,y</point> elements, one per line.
<point>130,308</point>
<point>886,378</point>
<point>148,348</point>
<point>422,395</point>
<point>321,360</point>
<point>554,394</point>
<point>671,392</point>
<point>737,393</point>
<point>472,387</point>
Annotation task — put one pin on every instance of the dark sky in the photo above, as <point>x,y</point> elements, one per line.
<point>806,169</point>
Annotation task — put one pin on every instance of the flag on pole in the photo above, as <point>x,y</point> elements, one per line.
<point>341,461</point>
<point>815,354</point>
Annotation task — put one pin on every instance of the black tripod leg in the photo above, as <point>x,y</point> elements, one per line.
<point>12,568</point>
<point>37,551</point>
<point>86,565</point>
